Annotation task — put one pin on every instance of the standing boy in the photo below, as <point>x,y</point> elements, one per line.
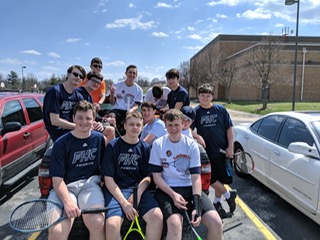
<point>215,132</point>
<point>75,171</point>
<point>175,163</point>
<point>125,166</point>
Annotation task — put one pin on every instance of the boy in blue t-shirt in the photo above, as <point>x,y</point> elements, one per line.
<point>75,171</point>
<point>125,166</point>
<point>215,132</point>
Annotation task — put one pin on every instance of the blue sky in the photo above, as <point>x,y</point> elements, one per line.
<point>49,36</point>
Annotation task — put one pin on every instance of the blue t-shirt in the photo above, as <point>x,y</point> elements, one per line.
<point>157,128</point>
<point>58,100</point>
<point>212,124</point>
<point>178,95</point>
<point>73,158</point>
<point>126,163</point>
<point>84,93</point>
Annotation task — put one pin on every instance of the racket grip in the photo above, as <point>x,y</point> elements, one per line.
<point>197,204</point>
<point>94,210</point>
<point>135,197</point>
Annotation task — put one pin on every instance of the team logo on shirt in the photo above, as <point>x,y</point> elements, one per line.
<point>85,157</point>
<point>168,153</point>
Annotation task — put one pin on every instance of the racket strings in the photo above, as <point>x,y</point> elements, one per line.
<point>35,215</point>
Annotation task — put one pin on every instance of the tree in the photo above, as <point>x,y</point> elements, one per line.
<point>224,72</point>
<point>264,59</point>
<point>14,81</point>
<point>184,74</point>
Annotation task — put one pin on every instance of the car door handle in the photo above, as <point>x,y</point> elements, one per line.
<point>276,152</point>
<point>26,135</point>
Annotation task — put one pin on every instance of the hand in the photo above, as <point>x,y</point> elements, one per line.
<point>195,222</point>
<point>229,152</point>
<point>112,89</point>
<point>201,141</point>
<point>179,201</point>
<point>98,126</point>
<point>129,211</point>
<point>97,106</point>
<point>111,121</point>
<point>72,209</point>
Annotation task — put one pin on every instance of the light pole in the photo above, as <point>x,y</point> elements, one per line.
<point>290,2</point>
<point>304,50</point>
<point>23,83</point>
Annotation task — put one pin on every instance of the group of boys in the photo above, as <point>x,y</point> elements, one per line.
<point>83,151</point>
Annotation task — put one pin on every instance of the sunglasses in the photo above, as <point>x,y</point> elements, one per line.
<point>95,81</point>
<point>77,75</point>
<point>97,66</point>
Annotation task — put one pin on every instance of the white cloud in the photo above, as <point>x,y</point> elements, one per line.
<point>195,48</point>
<point>160,34</point>
<point>224,2</point>
<point>279,25</point>
<point>195,36</point>
<point>53,54</point>
<point>255,15</point>
<point>133,23</point>
<point>12,61</point>
<point>115,63</point>
<point>221,16</point>
<point>190,28</point>
<point>31,52</point>
<point>73,40</point>
<point>131,5</point>
<point>163,5</point>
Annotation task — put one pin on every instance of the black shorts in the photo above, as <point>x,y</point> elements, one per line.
<point>219,171</point>
<point>168,208</point>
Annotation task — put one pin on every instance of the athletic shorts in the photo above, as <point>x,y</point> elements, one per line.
<point>168,208</point>
<point>219,171</point>
<point>85,193</point>
<point>147,202</point>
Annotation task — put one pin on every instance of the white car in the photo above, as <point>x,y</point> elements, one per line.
<point>285,148</point>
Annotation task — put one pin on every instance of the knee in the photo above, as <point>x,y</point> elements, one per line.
<point>174,226</point>
<point>154,218</point>
<point>213,222</point>
<point>112,227</point>
<point>94,223</point>
<point>57,234</point>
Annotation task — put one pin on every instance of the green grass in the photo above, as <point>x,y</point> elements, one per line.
<point>255,107</point>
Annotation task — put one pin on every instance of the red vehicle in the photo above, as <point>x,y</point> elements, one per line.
<point>23,138</point>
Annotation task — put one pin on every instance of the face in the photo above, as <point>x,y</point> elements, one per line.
<point>186,123</point>
<point>148,114</point>
<point>172,82</point>
<point>94,83</point>
<point>174,127</point>
<point>75,77</point>
<point>83,120</point>
<point>133,127</point>
<point>96,67</point>
<point>205,99</point>
<point>132,73</point>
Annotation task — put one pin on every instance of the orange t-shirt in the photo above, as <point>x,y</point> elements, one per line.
<point>95,94</point>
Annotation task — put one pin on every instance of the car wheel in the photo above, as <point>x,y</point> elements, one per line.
<point>238,148</point>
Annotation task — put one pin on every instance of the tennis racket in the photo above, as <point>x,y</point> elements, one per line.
<point>182,164</point>
<point>40,214</point>
<point>243,161</point>
<point>135,231</point>
<point>190,225</point>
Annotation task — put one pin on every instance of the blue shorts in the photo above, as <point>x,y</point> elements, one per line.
<point>147,202</point>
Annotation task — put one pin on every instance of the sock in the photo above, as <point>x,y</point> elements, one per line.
<point>216,200</point>
<point>226,194</point>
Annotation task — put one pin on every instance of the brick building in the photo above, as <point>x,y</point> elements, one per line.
<point>247,84</point>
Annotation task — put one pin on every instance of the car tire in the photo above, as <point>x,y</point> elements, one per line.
<point>238,148</point>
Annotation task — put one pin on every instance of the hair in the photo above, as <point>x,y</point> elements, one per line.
<point>206,88</point>
<point>97,75</point>
<point>131,66</point>
<point>80,68</point>
<point>134,114</point>
<point>157,91</point>
<point>84,106</point>
<point>96,60</point>
<point>173,114</point>
<point>149,105</point>
<point>172,73</point>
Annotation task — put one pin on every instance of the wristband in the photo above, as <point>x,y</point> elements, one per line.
<point>197,205</point>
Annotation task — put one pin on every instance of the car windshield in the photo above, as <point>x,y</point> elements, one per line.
<point>316,128</point>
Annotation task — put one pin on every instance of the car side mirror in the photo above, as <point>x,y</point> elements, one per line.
<point>10,127</point>
<point>304,149</point>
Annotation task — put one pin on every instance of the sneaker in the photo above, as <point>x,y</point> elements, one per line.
<point>232,200</point>
<point>222,213</point>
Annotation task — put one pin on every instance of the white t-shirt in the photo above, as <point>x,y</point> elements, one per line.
<point>164,153</point>
<point>187,132</point>
<point>160,103</point>
<point>123,94</point>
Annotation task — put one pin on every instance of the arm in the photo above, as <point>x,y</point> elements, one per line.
<point>230,136</point>
<point>59,122</point>
<point>197,204</point>
<point>61,189</point>
<point>149,138</point>
<point>112,91</point>
<point>199,138</point>
<point>178,105</point>
<point>178,200</point>
<point>134,108</point>
<point>102,95</point>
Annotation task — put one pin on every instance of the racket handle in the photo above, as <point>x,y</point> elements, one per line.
<point>94,210</point>
<point>135,197</point>
<point>222,151</point>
